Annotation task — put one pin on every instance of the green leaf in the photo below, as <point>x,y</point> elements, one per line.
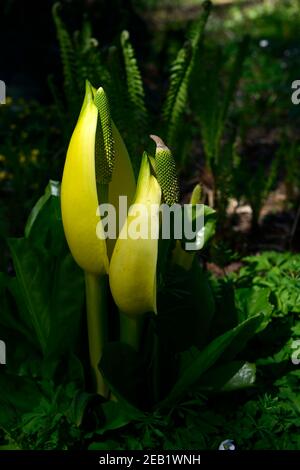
<point>185,308</point>
<point>44,226</point>
<point>52,189</point>
<point>244,377</point>
<point>80,403</point>
<point>228,377</point>
<point>18,395</point>
<point>226,315</point>
<point>13,309</point>
<point>253,300</point>
<point>203,360</point>
<point>115,417</point>
<point>48,282</point>
<point>200,214</point>
<point>32,278</point>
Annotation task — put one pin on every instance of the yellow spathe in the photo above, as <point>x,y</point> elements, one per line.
<point>133,264</point>
<point>79,198</point>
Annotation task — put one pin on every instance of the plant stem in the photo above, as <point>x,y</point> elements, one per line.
<point>96,303</point>
<point>130,330</point>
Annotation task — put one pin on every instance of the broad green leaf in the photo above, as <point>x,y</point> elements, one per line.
<point>244,377</point>
<point>115,417</point>
<point>195,215</point>
<point>253,300</point>
<point>79,405</point>
<point>11,304</point>
<point>66,304</point>
<point>49,283</point>
<point>228,377</point>
<point>203,360</point>
<point>44,226</point>
<point>185,308</point>
<point>52,189</point>
<point>226,315</point>
<point>33,277</point>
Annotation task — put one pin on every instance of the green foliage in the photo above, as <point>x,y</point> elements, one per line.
<point>135,87</point>
<point>119,74</point>
<point>68,58</point>
<point>41,315</point>
<point>43,404</point>
<point>181,70</point>
<point>30,150</point>
<point>45,278</point>
<point>81,60</point>
<point>277,272</point>
<point>212,99</point>
<point>211,338</point>
<point>195,363</point>
<point>38,414</point>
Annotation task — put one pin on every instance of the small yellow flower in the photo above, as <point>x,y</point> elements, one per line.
<point>4,175</point>
<point>22,158</point>
<point>34,154</point>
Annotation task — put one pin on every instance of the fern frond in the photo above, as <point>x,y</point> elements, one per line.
<point>121,107</point>
<point>117,90</point>
<point>212,99</point>
<point>178,91</point>
<point>134,85</point>
<point>196,29</point>
<point>181,69</point>
<point>68,58</point>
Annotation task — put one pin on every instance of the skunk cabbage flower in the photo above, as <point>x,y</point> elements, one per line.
<point>80,184</point>
<point>132,272</point>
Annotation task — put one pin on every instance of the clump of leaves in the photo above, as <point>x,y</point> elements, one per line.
<point>278,272</point>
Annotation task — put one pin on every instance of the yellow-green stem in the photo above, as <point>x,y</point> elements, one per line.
<point>130,330</point>
<point>96,303</point>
